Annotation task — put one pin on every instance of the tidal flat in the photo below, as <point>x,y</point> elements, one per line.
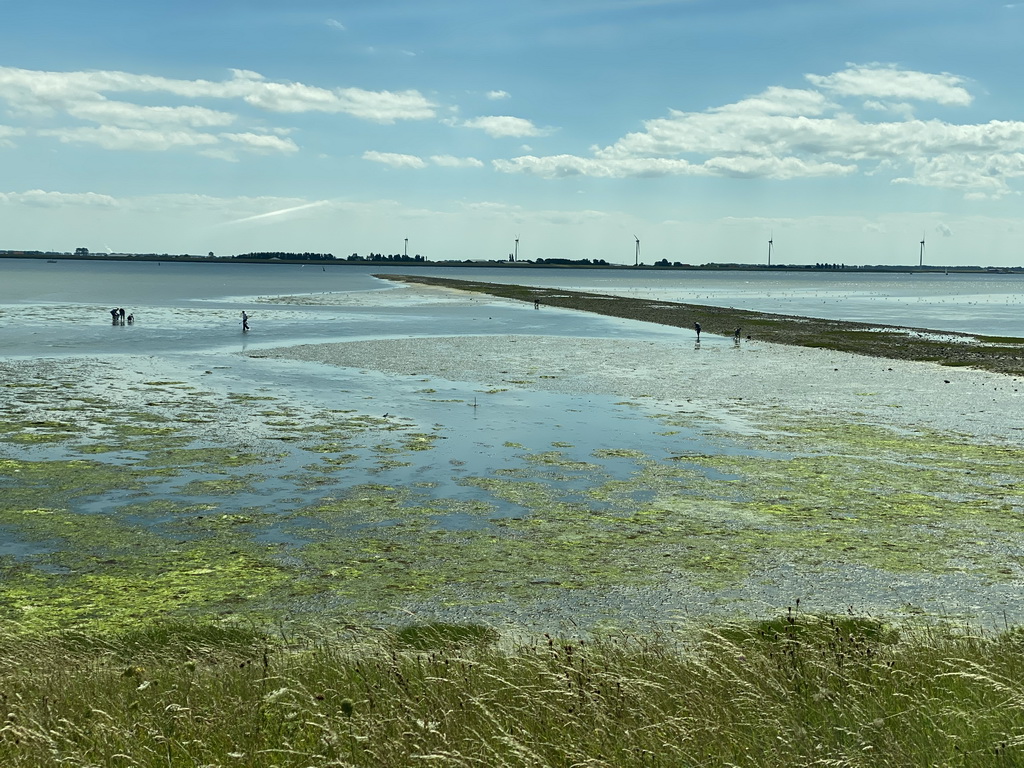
<point>531,484</point>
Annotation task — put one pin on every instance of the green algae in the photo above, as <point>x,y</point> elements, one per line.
<point>816,493</point>
<point>42,483</point>
<point>237,397</point>
<point>558,459</point>
<point>891,499</point>
<point>158,587</point>
<point>207,458</point>
<point>621,453</point>
<point>222,486</point>
<point>109,572</point>
<point>36,430</point>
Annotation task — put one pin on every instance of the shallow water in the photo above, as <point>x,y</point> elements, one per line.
<point>550,455</point>
<point>199,303</point>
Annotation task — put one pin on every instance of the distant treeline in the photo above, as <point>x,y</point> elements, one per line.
<point>581,262</point>
<point>355,258</point>
<point>283,256</point>
<point>382,257</point>
<point>287,256</point>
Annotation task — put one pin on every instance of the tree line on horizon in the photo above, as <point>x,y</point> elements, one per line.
<point>84,253</point>
<point>306,256</point>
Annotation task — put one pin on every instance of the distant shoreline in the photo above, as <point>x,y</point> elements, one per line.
<point>996,354</point>
<point>502,264</point>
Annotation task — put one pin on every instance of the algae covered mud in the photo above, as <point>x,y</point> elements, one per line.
<point>553,469</point>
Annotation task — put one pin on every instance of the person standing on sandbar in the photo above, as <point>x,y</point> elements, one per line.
<point>696,327</point>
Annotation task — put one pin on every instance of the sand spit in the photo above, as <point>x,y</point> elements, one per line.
<point>997,354</point>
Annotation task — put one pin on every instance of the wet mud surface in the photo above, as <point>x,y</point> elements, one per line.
<point>530,483</point>
<point>997,354</point>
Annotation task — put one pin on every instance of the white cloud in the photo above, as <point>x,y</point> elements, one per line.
<point>779,101</point>
<point>114,138</point>
<point>8,132</point>
<point>877,81</point>
<point>40,198</point>
<point>503,126</point>
<point>128,115</point>
<point>335,24</point>
<point>397,160</point>
<point>262,143</point>
<point>42,93</point>
<point>450,161</point>
<point>497,95</point>
<point>785,133</point>
<point>54,98</point>
<point>394,159</point>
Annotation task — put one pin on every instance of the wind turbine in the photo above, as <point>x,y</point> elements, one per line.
<point>771,235</point>
<point>920,259</point>
<point>405,253</point>
<point>636,261</point>
<point>515,253</point>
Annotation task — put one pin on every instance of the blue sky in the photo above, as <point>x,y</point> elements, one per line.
<point>844,130</point>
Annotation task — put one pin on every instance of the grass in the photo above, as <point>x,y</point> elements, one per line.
<point>798,690</point>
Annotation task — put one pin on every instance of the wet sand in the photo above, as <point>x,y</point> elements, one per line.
<point>715,376</point>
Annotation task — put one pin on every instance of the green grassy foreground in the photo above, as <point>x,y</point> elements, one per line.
<point>990,353</point>
<point>797,691</point>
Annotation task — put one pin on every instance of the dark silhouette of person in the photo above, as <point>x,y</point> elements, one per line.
<point>120,315</point>
<point>131,319</point>
<point>696,327</point>
<point>736,336</point>
<point>536,303</point>
<point>245,321</point>
<point>113,316</point>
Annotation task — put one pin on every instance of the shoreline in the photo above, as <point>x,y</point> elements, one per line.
<point>1002,355</point>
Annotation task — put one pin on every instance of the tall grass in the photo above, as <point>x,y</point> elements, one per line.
<point>799,691</point>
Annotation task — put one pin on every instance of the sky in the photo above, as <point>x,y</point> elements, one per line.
<point>845,131</point>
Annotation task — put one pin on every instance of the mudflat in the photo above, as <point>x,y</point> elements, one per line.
<point>990,353</point>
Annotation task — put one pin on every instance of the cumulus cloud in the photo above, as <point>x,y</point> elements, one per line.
<point>135,139</point>
<point>42,97</point>
<point>127,115</point>
<point>397,160</point>
<point>40,92</point>
<point>504,126</point>
<point>891,83</point>
<point>394,159</point>
<point>497,95</point>
<point>786,133</point>
<point>450,161</point>
<point>261,143</point>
